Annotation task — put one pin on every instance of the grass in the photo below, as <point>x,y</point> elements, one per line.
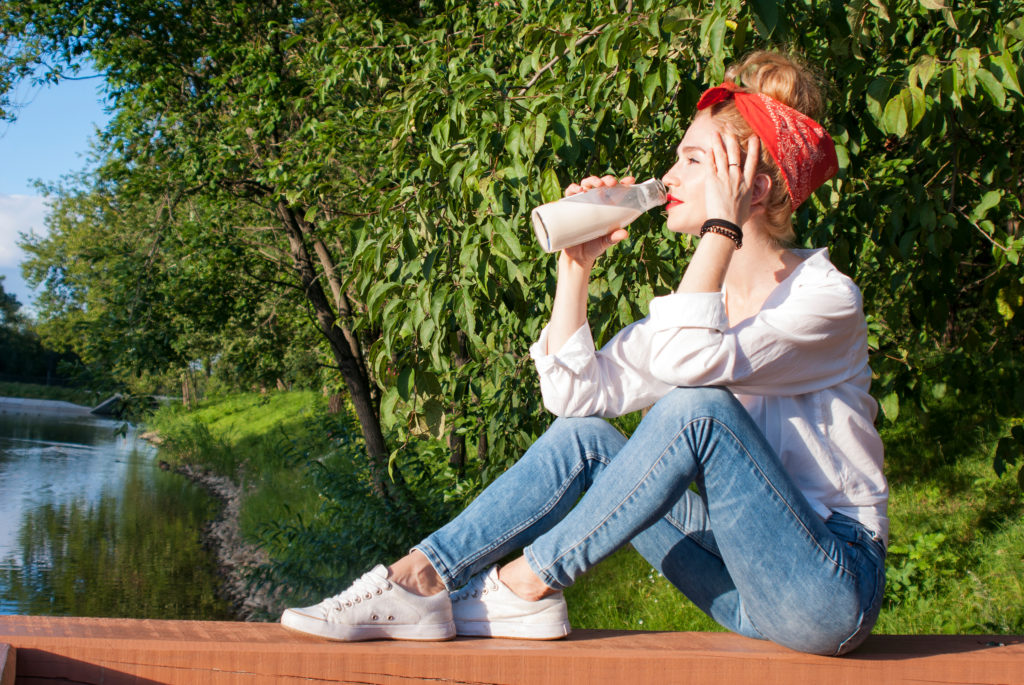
<point>257,440</point>
<point>956,562</point>
<point>32,391</point>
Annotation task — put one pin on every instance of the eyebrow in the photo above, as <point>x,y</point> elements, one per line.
<point>690,148</point>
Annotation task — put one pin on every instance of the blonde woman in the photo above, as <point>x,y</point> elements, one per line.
<point>756,372</point>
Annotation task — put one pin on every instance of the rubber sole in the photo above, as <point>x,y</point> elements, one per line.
<point>344,633</point>
<point>512,630</point>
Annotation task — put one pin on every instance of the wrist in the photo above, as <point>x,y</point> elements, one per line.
<point>725,228</point>
<point>570,266</point>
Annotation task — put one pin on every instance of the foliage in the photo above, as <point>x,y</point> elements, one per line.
<point>23,356</point>
<point>59,393</point>
<point>375,167</point>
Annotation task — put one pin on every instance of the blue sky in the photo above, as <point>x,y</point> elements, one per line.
<point>50,139</point>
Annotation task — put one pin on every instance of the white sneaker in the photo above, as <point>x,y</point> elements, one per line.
<point>374,608</point>
<point>486,606</point>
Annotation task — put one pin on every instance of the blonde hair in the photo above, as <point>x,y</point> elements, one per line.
<point>790,82</point>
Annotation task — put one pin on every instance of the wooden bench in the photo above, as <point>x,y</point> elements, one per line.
<point>123,651</point>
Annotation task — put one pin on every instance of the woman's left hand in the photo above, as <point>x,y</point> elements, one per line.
<point>729,185</point>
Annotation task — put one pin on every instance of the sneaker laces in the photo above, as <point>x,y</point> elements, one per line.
<point>478,585</point>
<point>365,587</point>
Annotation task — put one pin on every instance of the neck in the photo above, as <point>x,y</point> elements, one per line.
<point>761,264</point>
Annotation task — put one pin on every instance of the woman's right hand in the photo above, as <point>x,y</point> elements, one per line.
<point>587,253</point>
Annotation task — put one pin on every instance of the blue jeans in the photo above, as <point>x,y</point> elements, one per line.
<point>748,549</point>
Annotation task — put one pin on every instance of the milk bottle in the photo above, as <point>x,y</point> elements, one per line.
<point>595,213</point>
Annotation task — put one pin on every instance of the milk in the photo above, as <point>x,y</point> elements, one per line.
<point>595,213</point>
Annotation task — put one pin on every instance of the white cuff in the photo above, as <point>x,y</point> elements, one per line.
<point>574,354</point>
<point>689,310</point>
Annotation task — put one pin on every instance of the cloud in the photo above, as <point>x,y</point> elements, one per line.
<point>18,214</point>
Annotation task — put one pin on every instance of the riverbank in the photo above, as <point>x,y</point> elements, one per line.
<point>236,559</point>
<point>61,393</point>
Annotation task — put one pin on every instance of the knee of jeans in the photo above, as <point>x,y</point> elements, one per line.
<point>577,426</point>
<point>590,433</point>
<point>694,402</point>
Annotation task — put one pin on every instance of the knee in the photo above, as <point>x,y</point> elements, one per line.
<point>577,439</point>
<point>696,402</point>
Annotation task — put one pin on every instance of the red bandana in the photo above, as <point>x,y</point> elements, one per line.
<point>803,149</point>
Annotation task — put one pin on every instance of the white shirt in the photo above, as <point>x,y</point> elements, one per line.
<point>799,366</point>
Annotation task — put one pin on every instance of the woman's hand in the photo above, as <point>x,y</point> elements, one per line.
<point>587,253</point>
<point>729,185</point>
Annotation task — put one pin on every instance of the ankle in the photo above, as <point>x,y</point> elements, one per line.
<point>523,582</point>
<point>414,573</point>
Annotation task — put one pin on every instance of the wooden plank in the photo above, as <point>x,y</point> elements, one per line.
<point>7,657</point>
<point>115,651</point>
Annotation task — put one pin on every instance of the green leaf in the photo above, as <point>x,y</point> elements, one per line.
<point>988,201</point>
<point>1005,64</point>
<point>540,132</point>
<point>550,186</point>
<point>894,120</point>
<point>387,406</point>
<point>766,16</point>
<point>923,70</point>
<point>933,4</point>
<point>405,382</point>
<point>992,87</point>
<point>890,405</point>
<point>433,413</point>
<point>310,214</point>
<point>877,93</point>
<point>1008,302</point>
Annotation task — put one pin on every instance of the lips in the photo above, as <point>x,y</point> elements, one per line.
<point>672,202</point>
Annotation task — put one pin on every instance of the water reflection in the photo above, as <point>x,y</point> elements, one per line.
<point>102,531</point>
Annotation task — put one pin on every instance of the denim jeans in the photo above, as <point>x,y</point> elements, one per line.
<point>747,549</point>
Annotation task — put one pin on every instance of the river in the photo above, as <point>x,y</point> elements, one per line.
<point>90,526</point>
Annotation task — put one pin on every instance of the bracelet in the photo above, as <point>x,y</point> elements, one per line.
<point>724,228</point>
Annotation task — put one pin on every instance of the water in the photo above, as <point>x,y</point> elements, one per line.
<point>90,526</point>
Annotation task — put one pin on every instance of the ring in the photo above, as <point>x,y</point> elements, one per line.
<point>734,163</point>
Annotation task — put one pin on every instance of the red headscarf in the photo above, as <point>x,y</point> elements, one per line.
<point>799,145</point>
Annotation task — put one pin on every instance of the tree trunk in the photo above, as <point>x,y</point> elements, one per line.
<point>352,372</point>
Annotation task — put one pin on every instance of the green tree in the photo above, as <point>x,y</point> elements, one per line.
<point>382,163</point>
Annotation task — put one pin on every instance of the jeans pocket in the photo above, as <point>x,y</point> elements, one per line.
<point>865,555</point>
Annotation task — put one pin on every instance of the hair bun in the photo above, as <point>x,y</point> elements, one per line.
<point>780,77</point>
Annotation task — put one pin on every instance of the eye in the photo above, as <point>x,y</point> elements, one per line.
<point>692,160</point>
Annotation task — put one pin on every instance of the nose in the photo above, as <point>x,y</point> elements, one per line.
<point>671,177</point>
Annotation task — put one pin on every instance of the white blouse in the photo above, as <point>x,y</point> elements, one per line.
<point>799,366</point>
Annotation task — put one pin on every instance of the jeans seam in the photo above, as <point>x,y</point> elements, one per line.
<point>642,480</point>
<point>544,510</point>
<point>878,588</point>
<point>767,480</point>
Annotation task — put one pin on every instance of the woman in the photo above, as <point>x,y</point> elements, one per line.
<point>757,371</point>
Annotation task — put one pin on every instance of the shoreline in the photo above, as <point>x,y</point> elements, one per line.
<point>235,558</point>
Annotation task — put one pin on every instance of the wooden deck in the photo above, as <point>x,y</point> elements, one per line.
<point>139,652</point>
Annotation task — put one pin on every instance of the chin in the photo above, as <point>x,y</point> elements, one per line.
<point>682,229</point>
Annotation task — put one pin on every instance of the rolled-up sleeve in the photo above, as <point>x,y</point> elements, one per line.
<point>808,335</point>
